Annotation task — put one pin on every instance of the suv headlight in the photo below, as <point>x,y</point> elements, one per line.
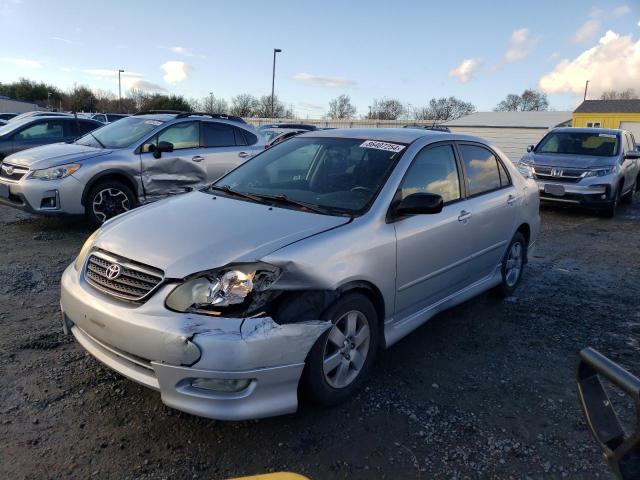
<point>84,251</point>
<point>55,173</point>
<point>525,169</point>
<point>601,172</point>
<point>208,292</point>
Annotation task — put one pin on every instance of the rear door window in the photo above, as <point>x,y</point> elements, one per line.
<point>481,168</point>
<point>218,135</point>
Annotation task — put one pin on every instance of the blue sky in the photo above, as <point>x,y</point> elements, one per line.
<point>477,51</point>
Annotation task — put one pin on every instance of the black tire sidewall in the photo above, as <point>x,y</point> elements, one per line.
<point>101,186</point>
<point>314,386</point>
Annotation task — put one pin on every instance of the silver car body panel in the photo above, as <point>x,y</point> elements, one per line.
<point>198,232</point>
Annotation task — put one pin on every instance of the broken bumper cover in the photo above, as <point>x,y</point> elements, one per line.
<point>167,351</point>
<point>46,197</point>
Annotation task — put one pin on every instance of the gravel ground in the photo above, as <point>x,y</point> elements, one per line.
<point>485,390</point>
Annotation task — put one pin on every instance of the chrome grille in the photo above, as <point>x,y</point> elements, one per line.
<point>558,174</point>
<point>12,173</point>
<point>134,281</point>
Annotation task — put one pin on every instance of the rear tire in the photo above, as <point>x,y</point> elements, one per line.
<point>628,197</point>
<point>342,358</point>
<point>108,199</point>
<point>512,265</point>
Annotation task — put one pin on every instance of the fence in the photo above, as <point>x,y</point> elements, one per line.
<point>350,123</point>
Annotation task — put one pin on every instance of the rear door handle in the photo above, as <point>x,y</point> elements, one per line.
<point>511,200</point>
<point>197,158</point>
<point>464,215</point>
<point>244,154</point>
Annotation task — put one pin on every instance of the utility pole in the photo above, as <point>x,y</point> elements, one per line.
<point>119,91</point>
<point>586,85</point>
<point>49,100</point>
<point>211,102</point>
<point>273,77</point>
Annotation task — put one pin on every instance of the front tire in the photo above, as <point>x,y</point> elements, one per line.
<point>612,208</point>
<point>108,199</point>
<point>342,358</point>
<point>513,265</point>
<point>627,198</point>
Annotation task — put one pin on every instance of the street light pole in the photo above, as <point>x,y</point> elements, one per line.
<point>211,102</point>
<point>586,86</point>
<point>119,92</point>
<point>273,77</point>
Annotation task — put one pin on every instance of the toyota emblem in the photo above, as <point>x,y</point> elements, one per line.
<point>113,271</point>
<point>8,169</point>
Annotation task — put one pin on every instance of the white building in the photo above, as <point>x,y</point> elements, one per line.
<point>9,105</point>
<point>511,132</point>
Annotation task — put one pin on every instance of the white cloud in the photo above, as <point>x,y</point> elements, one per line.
<point>621,10</point>
<point>23,62</point>
<point>319,81</point>
<point>586,32</point>
<point>185,51</point>
<point>613,64</point>
<point>175,71</point>
<point>519,47</point>
<point>141,84</point>
<point>466,69</point>
<point>63,40</point>
<point>109,73</point>
<point>310,106</point>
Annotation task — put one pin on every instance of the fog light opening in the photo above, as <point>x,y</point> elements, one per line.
<point>221,384</point>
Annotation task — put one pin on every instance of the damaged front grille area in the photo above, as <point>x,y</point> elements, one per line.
<point>120,277</point>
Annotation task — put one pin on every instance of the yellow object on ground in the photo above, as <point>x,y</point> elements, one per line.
<point>274,476</point>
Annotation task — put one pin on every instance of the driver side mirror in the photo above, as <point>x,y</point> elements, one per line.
<point>632,155</point>
<point>162,147</point>
<point>420,204</point>
<point>530,148</point>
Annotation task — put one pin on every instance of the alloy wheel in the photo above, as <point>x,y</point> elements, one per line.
<point>514,263</point>
<point>110,202</point>
<point>346,349</point>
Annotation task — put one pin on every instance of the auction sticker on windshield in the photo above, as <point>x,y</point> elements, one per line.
<point>153,122</point>
<point>389,147</point>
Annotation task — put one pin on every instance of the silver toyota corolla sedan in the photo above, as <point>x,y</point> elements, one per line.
<point>294,269</point>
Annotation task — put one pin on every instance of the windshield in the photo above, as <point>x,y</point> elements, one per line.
<point>338,175</point>
<point>120,134</point>
<point>579,143</point>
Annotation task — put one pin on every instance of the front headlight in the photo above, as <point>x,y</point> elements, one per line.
<point>84,251</point>
<point>210,291</point>
<point>601,172</point>
<point>55,173</point>
<point>525,169</point>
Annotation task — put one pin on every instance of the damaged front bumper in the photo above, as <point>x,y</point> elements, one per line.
<point>175,353</point>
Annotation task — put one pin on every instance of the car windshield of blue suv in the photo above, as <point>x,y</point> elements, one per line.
<point>579,143</point>
<point>120,134</point>
<point>334,176</point>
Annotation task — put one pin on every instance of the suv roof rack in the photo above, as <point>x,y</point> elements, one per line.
<point>219,116</point>
<point>156,112</point>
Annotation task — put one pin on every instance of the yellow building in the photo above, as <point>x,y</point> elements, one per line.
<point>623,114</point>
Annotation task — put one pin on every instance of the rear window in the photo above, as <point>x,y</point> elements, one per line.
<point>579,143</point>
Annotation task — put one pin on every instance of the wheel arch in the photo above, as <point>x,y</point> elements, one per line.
<point>525,230</point>
<point>374,294</point>
<point>106,175</point>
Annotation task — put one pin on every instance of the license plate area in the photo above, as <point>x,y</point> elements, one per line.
<point>552,189</point>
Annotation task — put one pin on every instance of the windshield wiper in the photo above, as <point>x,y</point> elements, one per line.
<point>282,198</point>
<point>96,138</point>
<point>228,190</point>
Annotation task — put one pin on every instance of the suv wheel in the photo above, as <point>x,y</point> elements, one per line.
<point>342,358</point>
<point>513,265</point>
<point>107,200</point>
<point>628,197</point>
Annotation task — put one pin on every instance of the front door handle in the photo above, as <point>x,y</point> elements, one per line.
<point>464,215</point>
<point>511,200</point>
<point>244,154</point>
<point>197,158</point>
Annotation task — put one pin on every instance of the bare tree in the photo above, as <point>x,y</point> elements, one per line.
<point>243,105</point>
<point>386,109</point>
<point>627,94</point>
<point>442,109</point>
<point>341,107</point>
<point>213,104</point>
<point>530,100</point>
<point>263,108</point>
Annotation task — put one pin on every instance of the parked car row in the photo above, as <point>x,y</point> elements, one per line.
<point>290,265</point>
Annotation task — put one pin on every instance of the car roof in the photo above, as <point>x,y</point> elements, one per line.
<point>610,131</point>
<point>401,135</point>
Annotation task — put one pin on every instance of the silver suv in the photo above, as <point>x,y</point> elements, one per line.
<point>133,161</point>
<point>591,167</point>
<point>296,267</point>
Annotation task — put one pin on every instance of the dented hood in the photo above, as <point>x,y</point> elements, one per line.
<point>193,232</point>
<point>55,154</point>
